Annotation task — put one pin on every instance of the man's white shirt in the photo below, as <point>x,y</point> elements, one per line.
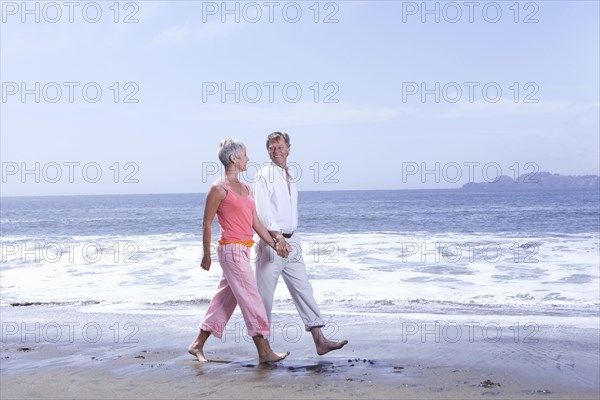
<point>276,206</point>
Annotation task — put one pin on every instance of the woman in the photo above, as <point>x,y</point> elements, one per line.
<point>232,202</point>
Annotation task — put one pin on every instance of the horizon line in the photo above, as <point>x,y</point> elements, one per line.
<point>302,191</point>
<point>166,193</point>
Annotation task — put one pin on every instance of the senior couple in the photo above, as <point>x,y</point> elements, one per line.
<point>273,214</point>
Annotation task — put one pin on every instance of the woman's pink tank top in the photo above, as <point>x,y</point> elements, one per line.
<point>235,215</point>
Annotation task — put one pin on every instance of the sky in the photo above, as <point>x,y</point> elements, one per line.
<point>133,97</point>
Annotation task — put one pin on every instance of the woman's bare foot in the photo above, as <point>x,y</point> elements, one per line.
<point>324,345</point>
<point>197,347</point>
<point>265,354</point>
<point>272,357</point>
<point>197,352</point>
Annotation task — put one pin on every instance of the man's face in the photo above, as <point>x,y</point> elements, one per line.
<point>279,151</point>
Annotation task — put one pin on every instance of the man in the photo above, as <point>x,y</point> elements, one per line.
<point>276,201</point>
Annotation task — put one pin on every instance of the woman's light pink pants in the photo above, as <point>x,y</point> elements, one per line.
<point>237,286</point>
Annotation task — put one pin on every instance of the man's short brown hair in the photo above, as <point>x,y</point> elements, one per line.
<point>276,136</point>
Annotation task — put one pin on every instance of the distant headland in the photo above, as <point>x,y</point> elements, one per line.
<point>537,181</point>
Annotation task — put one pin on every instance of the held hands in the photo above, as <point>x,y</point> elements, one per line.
<point>282,247</point>
<point>205,263</point>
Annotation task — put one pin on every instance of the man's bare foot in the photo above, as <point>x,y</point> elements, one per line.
<point>272,357</point>
<point>197,347</point>
<point>325,346</point>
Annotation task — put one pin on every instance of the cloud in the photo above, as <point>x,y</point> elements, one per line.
<point>503,108</point>
<point>173,34</point>
<point>183,33</point>
<point>301,114</point>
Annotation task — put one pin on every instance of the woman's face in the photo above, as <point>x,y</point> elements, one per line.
<point>241,161</point>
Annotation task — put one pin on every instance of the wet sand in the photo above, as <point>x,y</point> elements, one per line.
<point>102,352</point>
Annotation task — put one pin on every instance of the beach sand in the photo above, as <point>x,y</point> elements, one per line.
<point>116,352</point>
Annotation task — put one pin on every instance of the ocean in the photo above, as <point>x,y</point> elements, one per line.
<point>401,251</point>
